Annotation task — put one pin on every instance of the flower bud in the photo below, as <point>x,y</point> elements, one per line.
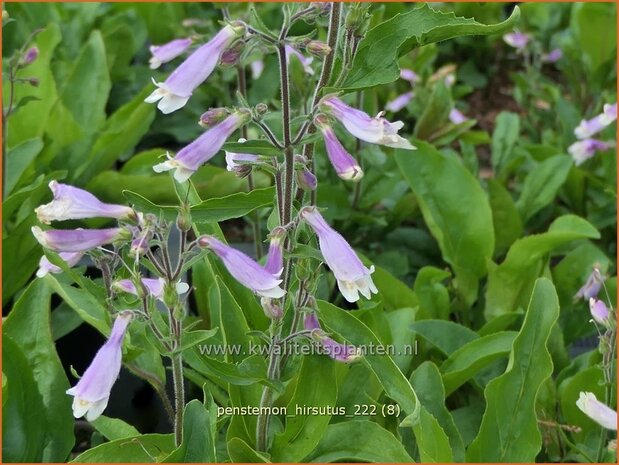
<point>599,311</point>
<point>261,109</point>
<point>231,55</point>
<point>271,309</point>
<point>357,20</point>
<point>183,220</point>
<point>170,295</point>
<point>321,8</point>
<point>30,56</point>
<point>306,179</point>
<point>5,15</point>
<point>317,48</point>
<point>212,117</point>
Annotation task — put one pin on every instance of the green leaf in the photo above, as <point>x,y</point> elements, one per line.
<point>510,422</point>
<point>428,385</point>
<point>433,296</point>
<point>147,448</point>
<point>211,210</point>
<point>83,302</point>
<point>446,191</point>
<point>504,138</point>
<point>435,114</point>
<point>82,98</point>
<point>114,428</point>
<point>255,147</point>
<point>590,379</point>
<point>596,29</point>
<point>241,452</point>
<point>23,432</point>
<point>376,61</point>
<point>505,216</point>
<point>431,439</point>
<point>392,380</point>
<point>510,283</point>
<point>467,360</point>
<point>29,326</point>
<point>118,136</point>
<point>393,293</point>
<point>198,444</point>
<point>541,185</point>
<point>316,387</point>
<point>446,336</point>
<point>358,441</point>
<point>18,159</point>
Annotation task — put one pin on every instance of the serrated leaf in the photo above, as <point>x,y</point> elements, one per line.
<point>376,61</point>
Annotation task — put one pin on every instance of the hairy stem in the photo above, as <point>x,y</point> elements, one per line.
<point>179,396</point>
<point>325,75</point>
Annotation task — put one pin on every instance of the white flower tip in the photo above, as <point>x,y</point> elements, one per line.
<point>165,166</point>
<point>274,293</point>
<point>182,288</point>
<point>353,174</point>
<point>154,63</point>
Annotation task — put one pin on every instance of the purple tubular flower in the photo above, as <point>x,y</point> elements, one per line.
<point>70,258</point>
<point>599,311</point>
<point>345,353</point>
<point>240,163</point>
<point>77,240</point>
<point>553,56</point>
<point>456,117</point>
<point>305,61</point>
<point>167,52</point>
<point>190,158</point>
<point>582,150</point>
<point>373,130</point>
<point>400,101</point>
<point>409,75</point>
<point>592,286</point>
<point>275,256</point>
<point>244,269</point>
<point>518,40</point>
<point>588,128</point>
<point>601,413</point>
<point>92,391</point>
<point>344,163</point>
<point>155,287</point>
<point>178,87</point>
<point>353,278</point>
<point>71,203</point>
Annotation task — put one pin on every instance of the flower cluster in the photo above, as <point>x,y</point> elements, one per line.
<point>71,203</point>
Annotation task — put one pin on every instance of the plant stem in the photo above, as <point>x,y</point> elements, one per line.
<point>325,76</point>
<point>5,127</point>
<point>179,396</point>
<point>285,198</point>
